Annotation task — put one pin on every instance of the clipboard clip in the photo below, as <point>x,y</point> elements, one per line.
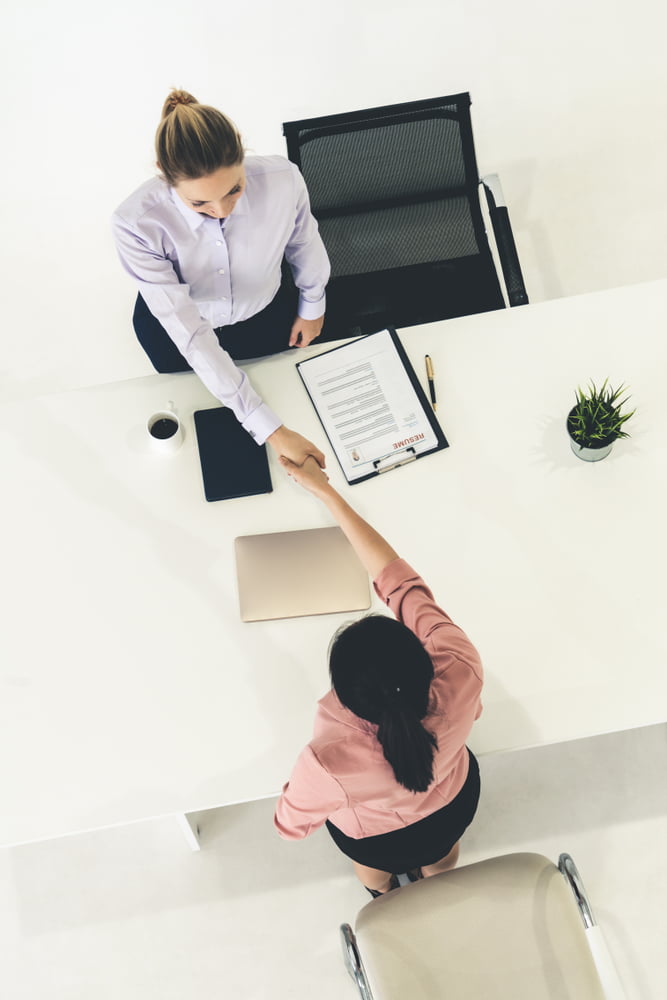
<point>379,463</point>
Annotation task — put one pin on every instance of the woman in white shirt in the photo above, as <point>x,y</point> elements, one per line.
<point>205,242</point>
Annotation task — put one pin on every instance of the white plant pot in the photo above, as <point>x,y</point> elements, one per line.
<point>590,454</point>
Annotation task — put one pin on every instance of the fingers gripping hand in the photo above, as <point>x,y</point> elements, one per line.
<point>309,474</point>
<point>295,446</point>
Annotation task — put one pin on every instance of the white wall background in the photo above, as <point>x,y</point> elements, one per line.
<point>569,106</point>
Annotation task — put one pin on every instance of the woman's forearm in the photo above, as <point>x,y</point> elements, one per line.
<point>373,550</point>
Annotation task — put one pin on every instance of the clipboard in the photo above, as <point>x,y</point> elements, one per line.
<point>371,405</point>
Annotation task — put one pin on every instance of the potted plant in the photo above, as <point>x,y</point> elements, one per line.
<point>596,420</point>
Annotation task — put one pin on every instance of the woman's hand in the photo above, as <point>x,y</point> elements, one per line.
<point>309,475</point>
<point>304,331</point>
<point>295,447</point>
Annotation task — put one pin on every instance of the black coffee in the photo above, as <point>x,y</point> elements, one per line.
<point>164,428</point>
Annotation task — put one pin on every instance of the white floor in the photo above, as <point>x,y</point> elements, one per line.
<point>570,109</point>
<point>130,913</point>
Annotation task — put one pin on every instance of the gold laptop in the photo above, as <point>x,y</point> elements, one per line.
<point>288,574</point>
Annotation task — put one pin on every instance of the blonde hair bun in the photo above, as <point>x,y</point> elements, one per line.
<point>175,98</point>
<point>194,140</point>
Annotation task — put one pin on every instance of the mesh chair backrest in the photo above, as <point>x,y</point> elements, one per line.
<point>408,159</point>
<point>392,187</point>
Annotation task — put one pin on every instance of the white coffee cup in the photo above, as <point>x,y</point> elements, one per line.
<point>165,430</point>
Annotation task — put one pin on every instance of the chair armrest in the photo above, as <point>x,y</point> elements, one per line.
<point>353,962</point>
<point>609,977</point>
<point>570,873</point>
<point>502,230</point>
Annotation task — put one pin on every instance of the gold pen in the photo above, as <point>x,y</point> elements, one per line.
<point>431,380</point>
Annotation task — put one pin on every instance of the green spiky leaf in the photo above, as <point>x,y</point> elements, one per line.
<point>596,417</point>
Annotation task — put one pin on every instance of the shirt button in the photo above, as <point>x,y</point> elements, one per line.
<point>221,271</point>
<point>224,298</point>
<point>218,243</point>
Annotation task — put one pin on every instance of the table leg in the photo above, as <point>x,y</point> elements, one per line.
<point>189,829</point>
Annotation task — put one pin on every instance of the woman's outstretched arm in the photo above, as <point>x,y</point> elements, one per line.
<point>373,550</point>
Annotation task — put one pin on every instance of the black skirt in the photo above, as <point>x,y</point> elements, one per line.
<point>267,332</point>
<point>421,843</point>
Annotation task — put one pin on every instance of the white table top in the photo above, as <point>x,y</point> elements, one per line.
<point>129,686</point>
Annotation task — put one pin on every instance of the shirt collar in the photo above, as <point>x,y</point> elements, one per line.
<point>241,207</point>
<point>195,219</point>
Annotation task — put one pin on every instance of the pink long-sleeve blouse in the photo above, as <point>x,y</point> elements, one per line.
<point>342,775</point>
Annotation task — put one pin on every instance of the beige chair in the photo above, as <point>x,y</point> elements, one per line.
<point>511,928</point>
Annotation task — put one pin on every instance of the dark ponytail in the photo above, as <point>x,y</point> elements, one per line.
<point>381,672</point>
<point>408,747</point>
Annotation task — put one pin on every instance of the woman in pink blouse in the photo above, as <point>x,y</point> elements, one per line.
<point>388,769</point>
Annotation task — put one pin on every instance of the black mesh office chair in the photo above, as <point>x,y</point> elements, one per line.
<point>395,191</point>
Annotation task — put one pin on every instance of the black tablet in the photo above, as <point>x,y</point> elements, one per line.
<point>232,464</point>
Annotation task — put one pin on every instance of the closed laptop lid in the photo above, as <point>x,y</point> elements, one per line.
<point>287,574</point>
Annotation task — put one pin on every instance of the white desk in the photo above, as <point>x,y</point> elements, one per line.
<point>128,686</point>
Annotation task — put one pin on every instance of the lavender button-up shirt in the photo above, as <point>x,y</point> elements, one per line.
<point>196,273</point>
